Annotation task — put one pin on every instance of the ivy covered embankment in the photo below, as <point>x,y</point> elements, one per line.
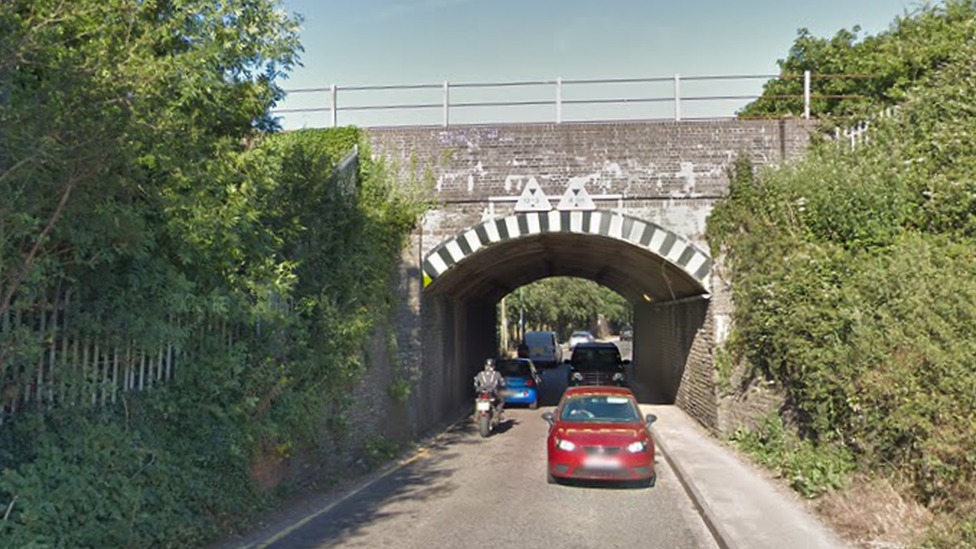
<point>855,292</point>
<point>153,226</point>
<point>270,280</point>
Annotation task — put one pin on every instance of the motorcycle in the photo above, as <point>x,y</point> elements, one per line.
<point>485,413</point>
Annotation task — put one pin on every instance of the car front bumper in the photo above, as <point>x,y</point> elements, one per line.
<point>572,465</point>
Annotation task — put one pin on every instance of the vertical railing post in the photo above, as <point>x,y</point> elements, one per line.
<point>334,105</point>
<point>806,95</point>
<point>447,104</point>
<point>677,97</point>
<point>559,100</point>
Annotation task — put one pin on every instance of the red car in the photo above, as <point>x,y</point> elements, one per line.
<point>597,433</point>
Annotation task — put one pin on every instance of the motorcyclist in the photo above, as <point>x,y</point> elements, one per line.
<point>491,381</point>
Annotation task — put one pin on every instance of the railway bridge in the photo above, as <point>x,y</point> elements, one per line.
<point>624,204</point>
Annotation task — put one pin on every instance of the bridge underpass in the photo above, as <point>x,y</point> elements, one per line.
<point>659,272</point>
<point>663,177</point>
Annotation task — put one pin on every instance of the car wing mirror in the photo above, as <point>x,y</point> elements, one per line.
<point>649,419</point>
<point>550,419</point>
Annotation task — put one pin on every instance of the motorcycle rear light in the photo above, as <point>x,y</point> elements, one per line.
<point>530,383</point>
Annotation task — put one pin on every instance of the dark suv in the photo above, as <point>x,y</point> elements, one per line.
<point>597,364</point>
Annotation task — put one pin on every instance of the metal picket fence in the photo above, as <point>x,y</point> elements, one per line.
<point>69,368</point>
<point>859,132</point>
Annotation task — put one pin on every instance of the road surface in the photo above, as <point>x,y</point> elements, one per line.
<point>466,491</point>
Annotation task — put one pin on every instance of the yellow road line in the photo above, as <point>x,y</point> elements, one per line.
<point>423,452</point>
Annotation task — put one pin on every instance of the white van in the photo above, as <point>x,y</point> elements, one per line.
<point>543,348</point>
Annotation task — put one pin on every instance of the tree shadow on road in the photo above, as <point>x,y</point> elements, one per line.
<point>421,478</point>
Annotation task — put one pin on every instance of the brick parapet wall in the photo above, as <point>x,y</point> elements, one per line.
<point>655,159</point>
<point>670,173</point>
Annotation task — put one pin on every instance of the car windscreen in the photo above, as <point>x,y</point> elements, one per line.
<point>596,359</point>
<point>514,368</point>
<point>599,409</point>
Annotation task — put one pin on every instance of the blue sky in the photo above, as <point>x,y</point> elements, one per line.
<point>385,42</point>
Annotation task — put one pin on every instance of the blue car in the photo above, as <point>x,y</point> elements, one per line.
<point>521,381</point>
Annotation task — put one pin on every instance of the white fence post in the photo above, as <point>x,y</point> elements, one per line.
<point>677,97</point>
<point>559,100</point>
<point>447,104</point>
<point>334,105</point>
<point>806,95</point>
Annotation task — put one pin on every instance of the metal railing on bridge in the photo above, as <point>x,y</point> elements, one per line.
<point>553,94</point>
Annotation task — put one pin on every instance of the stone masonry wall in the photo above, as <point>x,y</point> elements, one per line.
<point>743,402</point>
<point>670,173</point>
<point>673,342</point>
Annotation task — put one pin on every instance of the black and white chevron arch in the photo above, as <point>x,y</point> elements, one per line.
<point>638,232</point>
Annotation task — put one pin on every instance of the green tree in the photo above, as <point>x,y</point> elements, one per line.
<point>112,113</point>
<point>855,289</point>
<point>863,74</point>
<point>565,304</point>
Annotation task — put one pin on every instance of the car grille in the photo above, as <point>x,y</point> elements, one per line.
<point>605,450</point>
<point>597,378</point>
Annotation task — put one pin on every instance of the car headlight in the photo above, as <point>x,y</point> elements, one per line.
<point>564,444</point>
<point>618,376</point>
<point>636,447</point>
<point>577,376</point>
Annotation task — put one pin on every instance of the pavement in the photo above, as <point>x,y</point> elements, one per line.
<point>742,508</point>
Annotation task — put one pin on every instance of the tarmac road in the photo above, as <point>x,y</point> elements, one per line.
<point>466,491</point>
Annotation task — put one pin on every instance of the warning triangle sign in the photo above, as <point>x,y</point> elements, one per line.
<point>533,199</point>
<point>576,197</point>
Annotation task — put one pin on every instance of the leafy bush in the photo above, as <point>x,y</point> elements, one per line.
<point>376,451</point>
<point>855,289</point>
<point>810,469</point>
<point>171,467</point>
<point>399,391</point>
<point>138,175</point>
<point>883,69</point>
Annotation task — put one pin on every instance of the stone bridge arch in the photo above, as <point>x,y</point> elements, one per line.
<point>520,248</point>
<point>661,273</point>
<point>664,177</point>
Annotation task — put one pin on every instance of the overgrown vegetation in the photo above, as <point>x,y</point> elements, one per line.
<point>137,172</point>
<point>868,72</point>
<point>855,290</point>
<point>810,470</point>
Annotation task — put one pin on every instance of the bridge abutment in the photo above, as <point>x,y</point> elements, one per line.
<point>666,174</point>
<point>673,346</point>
